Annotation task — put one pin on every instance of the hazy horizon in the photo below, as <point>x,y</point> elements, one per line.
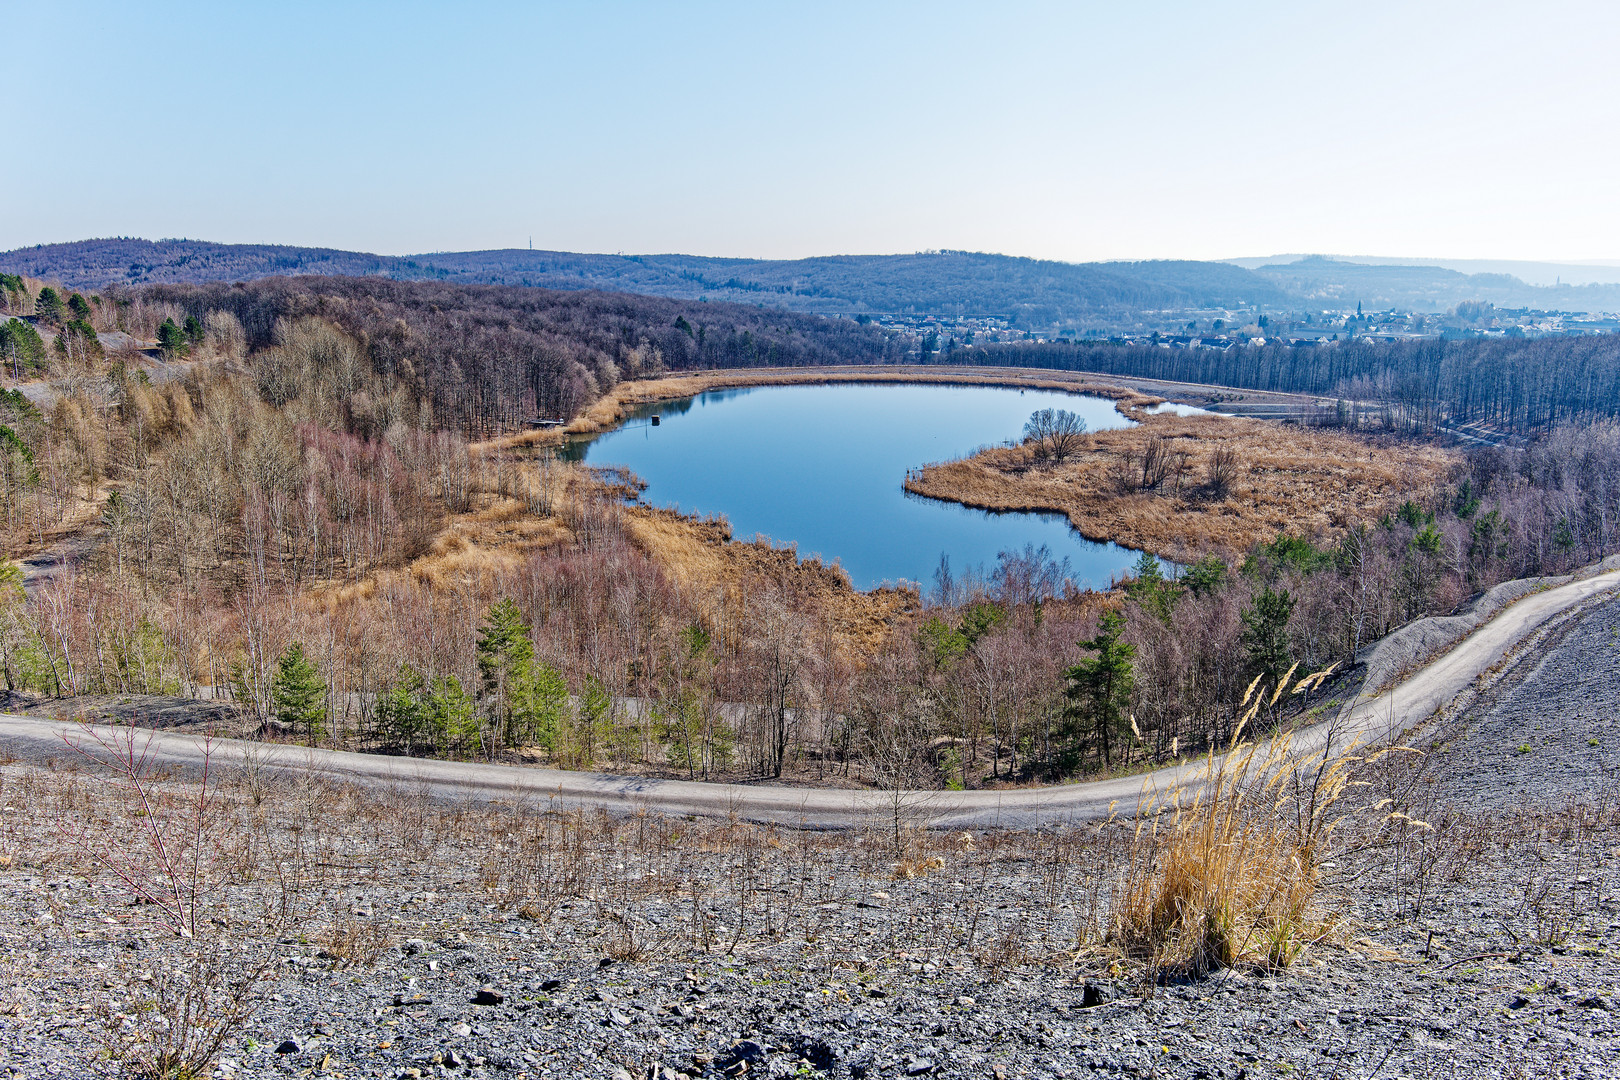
<point>1072,132</point>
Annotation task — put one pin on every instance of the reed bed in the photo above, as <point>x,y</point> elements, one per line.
<point>1285,478</point>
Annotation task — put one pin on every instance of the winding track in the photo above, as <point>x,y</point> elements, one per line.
<point>1403,706</point>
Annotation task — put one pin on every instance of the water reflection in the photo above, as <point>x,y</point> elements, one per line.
<point>823,467</point>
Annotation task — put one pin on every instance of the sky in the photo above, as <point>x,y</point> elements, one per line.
<point>1074,131</point>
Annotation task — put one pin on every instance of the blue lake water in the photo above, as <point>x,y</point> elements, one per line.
<point>823,467</point>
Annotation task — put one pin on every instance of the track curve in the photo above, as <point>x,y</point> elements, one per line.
<point>1407,704</point>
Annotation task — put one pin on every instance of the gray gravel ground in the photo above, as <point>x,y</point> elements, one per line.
<point>1546,732</point>
<point>1482,933</point>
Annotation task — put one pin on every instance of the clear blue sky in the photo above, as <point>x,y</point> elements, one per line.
<point>1066,130</point>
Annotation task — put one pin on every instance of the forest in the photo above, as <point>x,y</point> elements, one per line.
<point>1515,385</point>
<point>490,358</point>
<point>299,513</point>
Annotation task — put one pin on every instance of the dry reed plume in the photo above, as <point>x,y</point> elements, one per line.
<point>1233,878</point>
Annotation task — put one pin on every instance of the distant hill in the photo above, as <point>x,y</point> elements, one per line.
<point>1529,272</point>
<point>1337,283</point>
<point>1033,293</point>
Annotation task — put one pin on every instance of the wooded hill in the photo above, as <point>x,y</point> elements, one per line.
<point>490,358</point>
<point>953,283</point>
<point>1032,292</point>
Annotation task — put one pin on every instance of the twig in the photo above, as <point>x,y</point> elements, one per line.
<point>1477,956</point>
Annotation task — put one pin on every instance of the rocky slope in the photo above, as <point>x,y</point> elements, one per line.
<point>1479,937</point>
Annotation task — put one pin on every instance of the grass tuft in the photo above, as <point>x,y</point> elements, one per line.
<point>1233,878</point>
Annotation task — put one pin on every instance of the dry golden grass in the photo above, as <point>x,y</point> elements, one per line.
<point>1234,878</point>
<point>702,556</point>
<point>609,409</point>
<point>470,547</point>
<point>1305,481</point>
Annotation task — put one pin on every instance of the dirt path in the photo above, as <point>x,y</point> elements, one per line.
<point>1407,705</point>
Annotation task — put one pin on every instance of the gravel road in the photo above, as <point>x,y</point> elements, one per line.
<point>1406,705</point>
<point>1548,731</point>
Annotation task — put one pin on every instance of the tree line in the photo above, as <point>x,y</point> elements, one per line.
<point>1515,384</point>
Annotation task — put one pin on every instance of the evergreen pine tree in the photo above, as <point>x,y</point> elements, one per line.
<point>298,694</point>
<point>48,304</point>
<point>1265,634</point>
<point>1099,690</point>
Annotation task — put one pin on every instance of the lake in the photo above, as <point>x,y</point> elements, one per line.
<point>823,467</point>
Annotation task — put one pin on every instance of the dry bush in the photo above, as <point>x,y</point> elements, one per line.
<point>171,846</point>
<point>351,942</point>
<point>1234,877</point>
<point>172,1023</point>
<point>1223,471</point>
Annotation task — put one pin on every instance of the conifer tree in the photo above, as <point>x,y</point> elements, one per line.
<point>1099,689</point>
<point>1265,634</point>
<point>298,694</point>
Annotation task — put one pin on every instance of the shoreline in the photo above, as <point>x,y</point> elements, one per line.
<point>609,409</point>
<point>1305,481</point>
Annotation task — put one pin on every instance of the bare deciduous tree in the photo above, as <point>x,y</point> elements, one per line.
<point>1055,432</point>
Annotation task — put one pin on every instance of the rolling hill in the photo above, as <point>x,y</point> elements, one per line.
<point>1031,293</point>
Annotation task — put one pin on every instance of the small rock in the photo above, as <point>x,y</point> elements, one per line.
<point>1518,1001</point>
<point>452,1060</point>
<point>1094,995</point>
<point>965,1001</point>
<point>920,1066</point>
<point>748,1050</point>
<point>618,1018</point>
<point>549,985</point>
<point>288,1046</point>
<point>461,1031</point>
<point>413,946</point>
<point>605,962</point>
<point>1596,1001</point>
<point>486,996</point>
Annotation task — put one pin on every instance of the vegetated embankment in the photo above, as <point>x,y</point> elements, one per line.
<point>1183,486</point>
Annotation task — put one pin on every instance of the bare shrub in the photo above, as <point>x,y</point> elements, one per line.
<point>163,854</point>
<point>1223,471</point>
<point>166,843</point>
<point>352,942</point>
<point>1157,461</point>
<point>172,1022</point>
